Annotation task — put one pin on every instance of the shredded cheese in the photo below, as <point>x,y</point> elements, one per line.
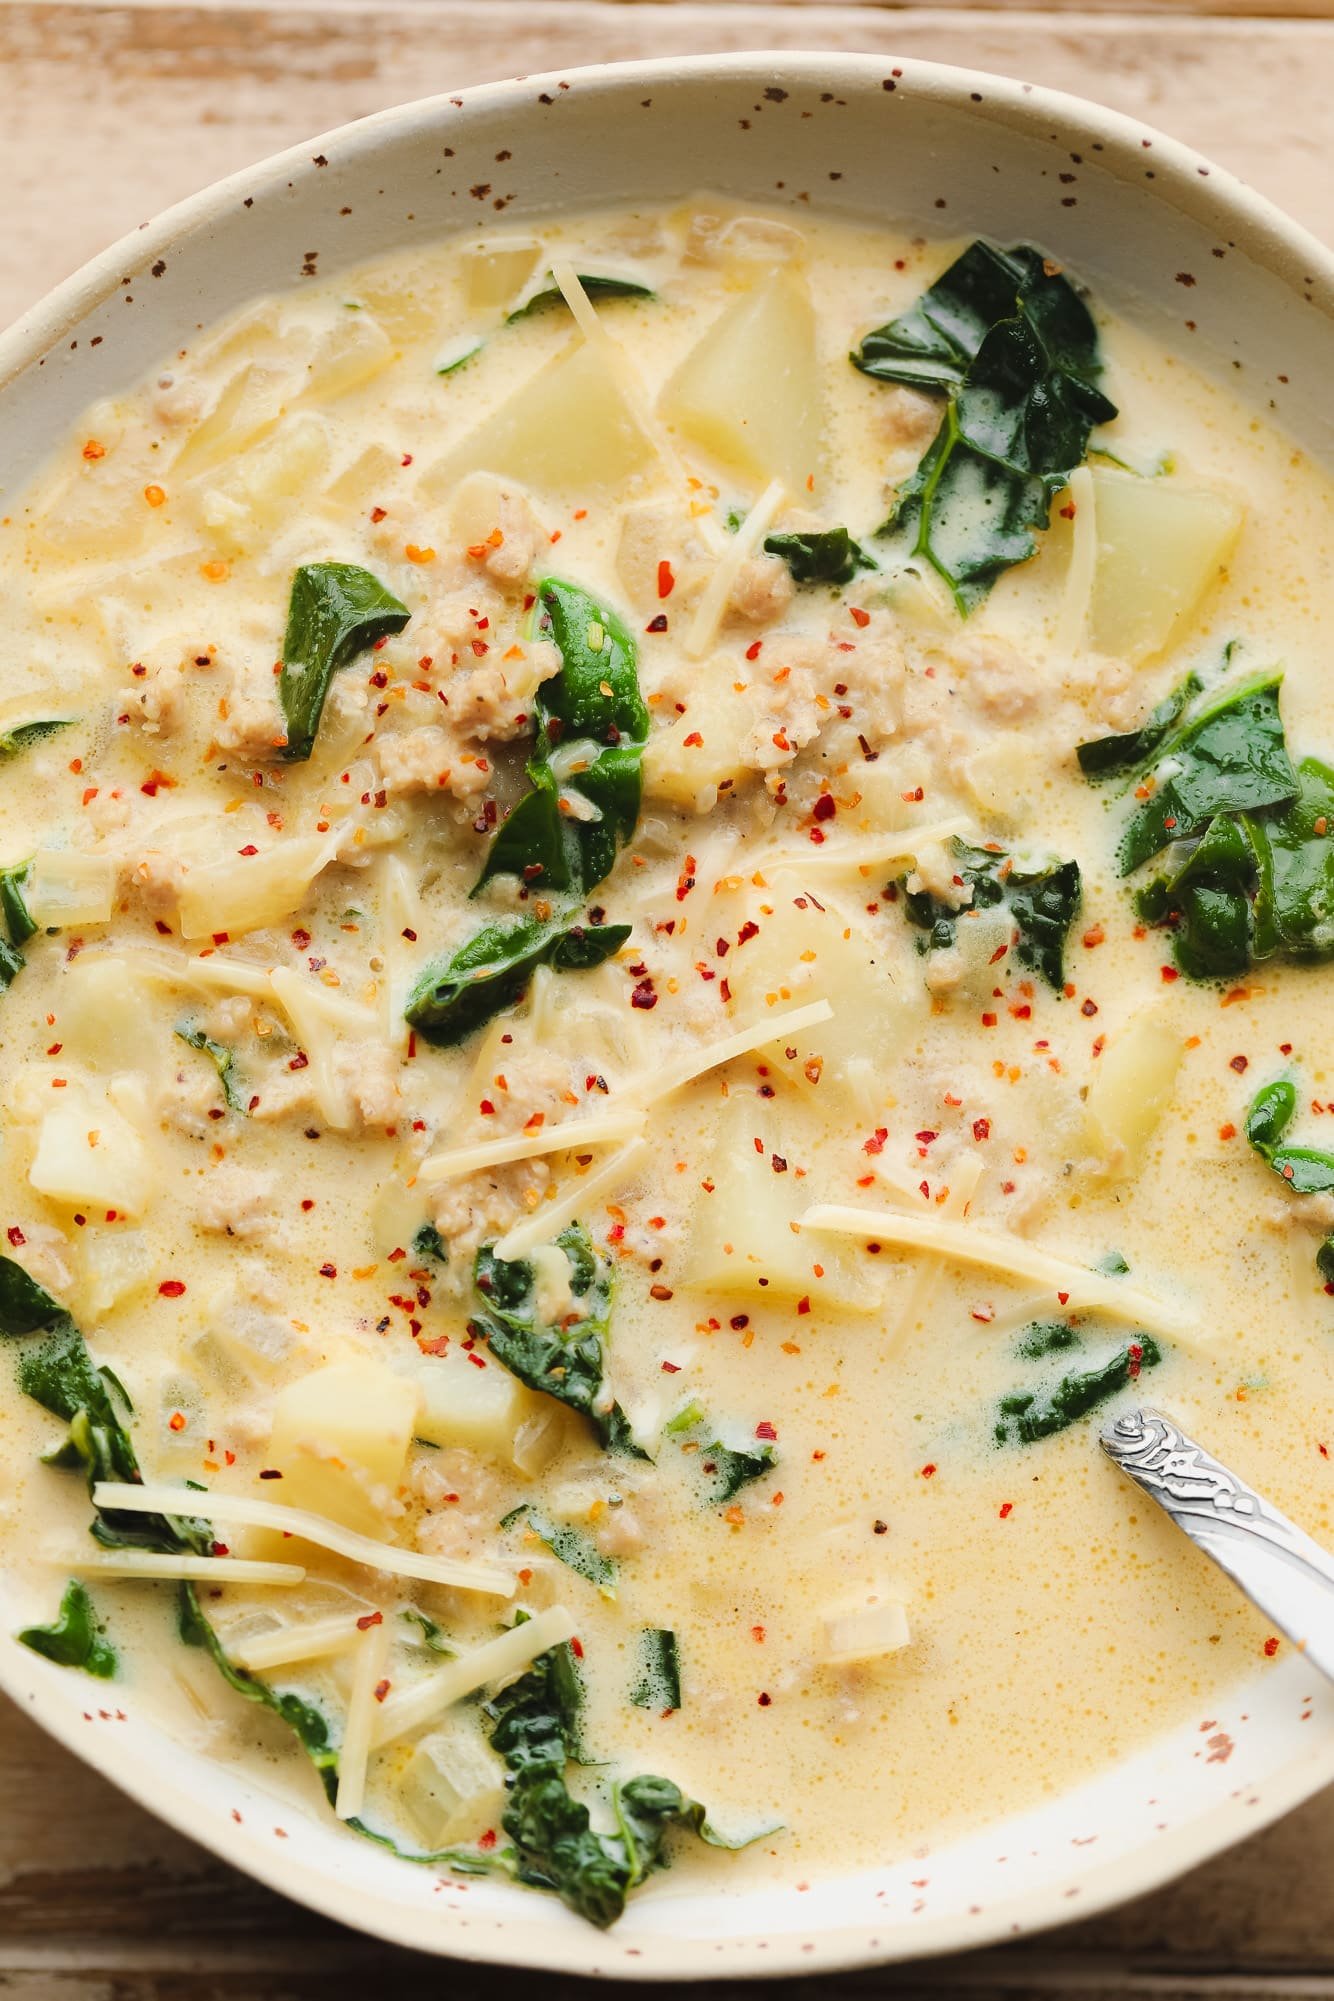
<point>963,1243</point>
<point>703,627</point>
<point>152,1563</point>
<point>318,1018</point>
<point>757,1036</point>
<point>400,910</point>
<point>214,974</point>
<point>597,1131</point>
<point>314,1640</point>
<point>355,1751</point>
<point>247,1512</point>
<point>965,1174</point>
<point>1072,620</point>
<point>548,1221</point>
<point>903,846</point>
<point>496,1660</point>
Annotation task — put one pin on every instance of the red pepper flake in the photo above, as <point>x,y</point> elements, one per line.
<point>765,1429</point>
<point>928,1469</point>
<point>879,1528</point>
<point>328,1271</point>
<point>300,1061</point>
<point>1239,1063</point>
<point>1228,1131</point>
<point>1094,936</point>
<point>644,994</point>
<point>270,1473</point>
<point>671,1368</point>
<point>176,1422</point>
<point>858,616</point>
<point>487,1840</point>
<point>1088,1008</point>
<point>694,741</point>
<point>15,1235</point>
<point>577,1649</point>
<point>221,1548</point>
<point>981,1129</point>
<point>1169,973</point>
<point>487,1109</point>
<point>753,650</point>
<point>825,807</point>
<point>750,929</point>
<point>478,1361</point>
<point>914,797</point>
<point>1271,1647</point>
<point>738,1321</point>
<point>764,1700</point>
<point>876,1143</point>
<point>658,624</point>
<point>1006,1510</point>
<point>172,1288</point>
<point>666,580</point>
<point>1135,1354</point>
<point>660,1292</point>
<point>989,1021</point>
<point>804,1303</point>
<point>368,1620</point>
<point>381,1690</point>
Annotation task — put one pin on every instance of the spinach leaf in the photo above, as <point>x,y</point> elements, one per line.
<point>18,919</point>
<point>821,556</point>
<point>1303,1169</point>
<point>25,1306</point>
<point>336,610</point>
<point>309,1723</point>
<point>659,1683</point>
<point>1207,901</point>
<point>1047,1337</point>
<point>1272,1111</point>
<point>432,1635</point>
<point>1042,903</point>
<point>1294,865</point>
<point>1028,1416</point>
<point>76,1638</point>
<point>223,1060</point>
<point>428,1243</point>
<point>1107,755</point>
<point>595,286</point>
<point>533,1728</point>
<point>12,742</point>
<point>568,1362</point>
<point>576,1551</point>
<point>492,971</point>
<point>593,723</point>
<point>729,1469</point>
<point>1230,758</point>
<point>1014,348</point>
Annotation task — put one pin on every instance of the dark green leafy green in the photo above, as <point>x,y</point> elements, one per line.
<point>428,1243</point>
<point>1030,1415</point>
<point>75,1638</point>
<point>336,610</point>
<point>25,1306</point>
<point>18,919</point>
<point>726,1468</point>
<point>1006,338</point>
<point>1304,1170</point>
<point>596,287</point>
<point>576,1551</point>
<point>1207,899</point>
<point>223,1060</point>
<point>821,556</point>
<point>1047,1337</point>
<point>432,1634</point>
<point>309,1723</point>
<point>1229,758</point>
<point>659,1682</point>
<point>1106,756</point>
<point>12,742</point>
<point>1042,903</point>
<point>491,972</point>
<point>593,723</point>
<point>534,1727</point>
<point>1294,866</point>
<point>566,1362</point>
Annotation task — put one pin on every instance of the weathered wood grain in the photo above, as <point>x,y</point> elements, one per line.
<point>109,113</point>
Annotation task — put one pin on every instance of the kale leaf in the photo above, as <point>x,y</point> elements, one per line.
<point>1029,1415</point>
<point>1042,903</point>
<point>1106,756</point>
<point>595,286</point>
<point>223,1060</point>
<point>577,1552</point>
<point>1047,1337</point>
<point>428,1243</point>
<point>593,723</point>
<point>821,556</point>
<point>75,1638</point>
<point>1013,347</point>
<point>491,972</point>
<point>567,1363</point>
<point>659,1683</point>
<point>336,610</point>
<point>728,1468</point>
<point>309,1723</point>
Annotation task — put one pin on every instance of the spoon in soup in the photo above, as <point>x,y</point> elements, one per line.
<point>1275,1563</point>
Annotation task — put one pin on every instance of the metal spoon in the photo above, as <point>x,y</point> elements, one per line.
<point>1276,1564</point>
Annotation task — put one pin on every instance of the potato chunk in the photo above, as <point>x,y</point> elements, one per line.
<point>1160,547</point>
<point>749,391</point>
<point>690,760</point>
<point>340,1440</point>
<point>454,1786</point>
<point>89,1153</point>
<point>1132,1088</point>
<point>567,429</point>
<point>249,892</point>
<point>462,1404</point>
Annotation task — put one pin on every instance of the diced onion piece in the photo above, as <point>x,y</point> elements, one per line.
<point>570,1133</point>
<point>355,1751</point>
<point>251,892</point>
<point>154,1563</point>
<point>65,887</point>
<point>310,1640</point>
<point>548,1221</point>
<point>964,1243</point>
<point>454,1785</point>
<point>865,1634</point>
<point>247,1512</point>
<point>495,1661</point>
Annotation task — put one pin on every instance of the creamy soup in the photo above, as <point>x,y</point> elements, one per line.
<point>663,887</point>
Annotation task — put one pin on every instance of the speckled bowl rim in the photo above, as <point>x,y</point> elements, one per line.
<point>1216,200</point>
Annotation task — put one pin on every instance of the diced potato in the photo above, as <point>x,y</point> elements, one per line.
<point>454,1786</point>
<point>567,429</point>
<point>462,1404</point>
<point>249,405</point>
<point>367,479</point>
<point>250,494</point>
<point>495,272</point>
<point>348,355</point>
<point>406,295</point>
<point>1132,1088</point>
<point>116,1263</point>
<point>1160,547</point>
<point>1000,777</point>
<point>744,1238</point>
<point>89,1153</point>
<point>864,1633</point>
<point>340,1439</point>
<point>241,1340</point>
<point>65,887</point>
<point>539,1437</point>
<point>749,391</point>
<point>248,892</point>
<point>687,762</point>
<point>103,1014</point>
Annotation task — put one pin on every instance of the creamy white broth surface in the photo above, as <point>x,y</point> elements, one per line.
<point>901,1625</point>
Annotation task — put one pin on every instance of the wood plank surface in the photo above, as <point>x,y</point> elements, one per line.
<point>109,113</point>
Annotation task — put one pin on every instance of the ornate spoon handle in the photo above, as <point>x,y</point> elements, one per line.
<point>1276,1564</point>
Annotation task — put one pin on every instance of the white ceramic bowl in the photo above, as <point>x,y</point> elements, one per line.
<point>1165,237</point>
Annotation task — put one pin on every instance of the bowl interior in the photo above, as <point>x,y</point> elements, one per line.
<point>1169,240</point>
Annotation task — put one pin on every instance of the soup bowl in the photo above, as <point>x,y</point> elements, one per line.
<point>1170,241</point>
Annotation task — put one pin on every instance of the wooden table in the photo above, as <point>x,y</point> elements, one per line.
<point>109,112</point>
